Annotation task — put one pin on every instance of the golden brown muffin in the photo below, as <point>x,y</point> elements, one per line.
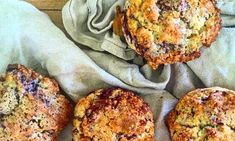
<point>32,107</point>
<point>169,31</point>
<point>113,114</point>
<point>204,115</point>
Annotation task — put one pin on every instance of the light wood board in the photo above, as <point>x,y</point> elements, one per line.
<point>52,8</point>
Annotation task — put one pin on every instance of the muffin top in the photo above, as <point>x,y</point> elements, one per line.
<point>204,115</point>
<point>169,31</point>
<point>113,114</point>
<point>32,107</point>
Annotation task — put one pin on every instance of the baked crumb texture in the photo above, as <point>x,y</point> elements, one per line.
<point>32,107</point>
<point>113,114</point>
<point>204,115</point>
<point>169,31</point>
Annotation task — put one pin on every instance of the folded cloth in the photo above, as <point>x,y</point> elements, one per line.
<point>89,23</point>
<point>228,12</point>
<point>30,38</point>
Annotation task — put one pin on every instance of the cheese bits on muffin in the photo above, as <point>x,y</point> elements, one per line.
<point>113,114</point>
<point>170,31</point>
<point>32,107</point>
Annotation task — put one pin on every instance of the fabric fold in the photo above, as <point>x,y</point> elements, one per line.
<point>214,68</point>
<point>227,8</point>
<point>29,37</point>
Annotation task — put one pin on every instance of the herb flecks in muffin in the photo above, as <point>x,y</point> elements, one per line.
<point>113,114</point>
<point>169,31</point>
<point>204,114</point>
<point>31,106</point>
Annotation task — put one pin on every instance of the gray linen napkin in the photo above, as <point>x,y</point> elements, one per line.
<point>29,37</point>
<point>215,68</point>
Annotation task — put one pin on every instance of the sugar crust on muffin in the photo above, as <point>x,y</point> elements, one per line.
<point>113,114</point>
<point>169,31</point>
<point>204,114</point>
<point>32,107</point>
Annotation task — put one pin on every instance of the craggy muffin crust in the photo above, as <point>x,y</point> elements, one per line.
<point>169,31</point>
<point>204,115</point>
<point>113,114</point>
<point>32,107</point>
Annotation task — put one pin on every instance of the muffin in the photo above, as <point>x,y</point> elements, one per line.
<point>204,115</point>
<point>169,31</point>
<point>113,114</point>
<point>32,107</point>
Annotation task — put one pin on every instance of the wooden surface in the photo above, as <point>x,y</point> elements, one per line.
<point>52,8</point>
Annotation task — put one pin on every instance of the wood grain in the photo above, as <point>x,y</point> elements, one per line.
<point>52,8</point>
<point>56,17</point>
<point>48,4</point>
